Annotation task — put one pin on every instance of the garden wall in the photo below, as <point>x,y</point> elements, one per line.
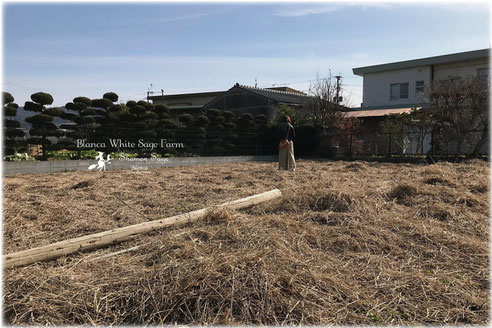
<point>83,165</point>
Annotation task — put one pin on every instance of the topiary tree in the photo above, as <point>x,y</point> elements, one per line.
<point>262,134</point>
<point>42,123</point>
<point>12,131</point>
<point>199,132</point>
<point>111,96</point>
<point>246,134</point>
<point>229,136</point>
<point>108,119</point>
<point>83,123</point>
<point>215,132</point>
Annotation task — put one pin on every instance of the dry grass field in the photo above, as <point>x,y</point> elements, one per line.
<point>348,243</point>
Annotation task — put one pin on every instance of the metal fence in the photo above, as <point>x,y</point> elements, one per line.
<point>443,143</point>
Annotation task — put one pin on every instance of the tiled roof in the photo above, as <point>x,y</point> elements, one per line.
<point>379,112</point>
<point>275,95</point>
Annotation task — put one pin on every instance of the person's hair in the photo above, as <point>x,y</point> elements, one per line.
<point>286,119</point>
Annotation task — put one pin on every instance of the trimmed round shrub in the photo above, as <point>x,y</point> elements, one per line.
<point>202,120</point>
<point>116,108</point>
<point>113,97</point>
<point>131,103</point>
<point>39,119</point>
<point>185,119</point>
<point>10,111</point>
<point>7,98</point>
<point>33,107</point>
<point>101,103</point>
<point>42,98</point>
<point>11,124</point>
<point>161,109</point>
<point>228,115</point>
<point>82,100</point>
<point>212,113</point>
<point>137,110</point>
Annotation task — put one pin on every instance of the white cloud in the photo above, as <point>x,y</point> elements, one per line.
<point>298,12</point>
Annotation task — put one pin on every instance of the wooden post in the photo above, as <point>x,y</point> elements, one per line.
<point>111,237</point>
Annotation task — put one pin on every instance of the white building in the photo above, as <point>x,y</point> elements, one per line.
<point>402,84</point>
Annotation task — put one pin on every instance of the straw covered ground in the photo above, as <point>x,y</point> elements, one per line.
<point>348,243</point>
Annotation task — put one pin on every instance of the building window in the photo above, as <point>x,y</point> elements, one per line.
<point>395,91</point>
<point>398,91</point>
<point>403,90</point>
<point>419,86</point>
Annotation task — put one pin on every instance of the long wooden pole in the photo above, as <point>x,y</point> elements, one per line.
<point>111,237</point>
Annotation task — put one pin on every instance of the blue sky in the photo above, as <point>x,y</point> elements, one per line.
<point>88,49</point>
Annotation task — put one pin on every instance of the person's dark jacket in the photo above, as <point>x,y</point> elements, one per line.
<point>282,131</point>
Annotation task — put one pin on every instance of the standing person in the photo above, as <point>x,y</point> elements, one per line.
<point>286,133</point>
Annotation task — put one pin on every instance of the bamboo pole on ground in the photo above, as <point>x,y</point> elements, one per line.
<point>114,236</point>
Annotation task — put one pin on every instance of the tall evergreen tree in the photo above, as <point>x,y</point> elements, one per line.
<point>107,119</point>
<point>42,123</point>
<point>199,132</point>
<point>185,132</point>
<point>12,131</point>
<point>83,123</point>
<point>215,130</point>
<point>246,134</point>
<point>229,137</point>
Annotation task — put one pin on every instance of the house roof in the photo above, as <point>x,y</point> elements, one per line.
<point>194,94</point>
<point>380,112</point>
<point>276,95</point>
<point>460,56</point>
<point>286,89</point>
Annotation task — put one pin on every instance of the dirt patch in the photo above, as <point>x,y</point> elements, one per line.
<point>82,184</point>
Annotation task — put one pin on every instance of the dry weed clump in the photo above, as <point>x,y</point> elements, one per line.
<point>403,194</point>
<point>376,245</point>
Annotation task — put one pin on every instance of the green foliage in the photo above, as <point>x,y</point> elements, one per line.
<point>186,119</point>
<point>72,154</point>
<point>161,109</point>
<point>116,108</point>
<point>18,157</point>
<point>212,113</point>
<point>113,97</point>
<point>168,123</point>
<point>83,100</point>
<point>10,111</point>
<point>33,107</point>
<point>39,119</point>
<point>7,98</point>
<point>137,110</point>
<point>131,103</point>
<point>54,111</point>
<point>228,115</point>
<point>101,103</point>
<point>150,116</point>
<point>202,121</point>
<point>285,110</point>
<point>11,124</point>
<point>76,106</point>
<point>42,98</point>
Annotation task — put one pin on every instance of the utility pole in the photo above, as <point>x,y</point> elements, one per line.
<point>149,93</point>
<point>337,99</point>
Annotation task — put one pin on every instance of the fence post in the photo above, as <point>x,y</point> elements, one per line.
<point>350,146</point>
<point>389,146</point>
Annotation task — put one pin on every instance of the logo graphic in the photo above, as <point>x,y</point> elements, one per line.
<point>101,163</point>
